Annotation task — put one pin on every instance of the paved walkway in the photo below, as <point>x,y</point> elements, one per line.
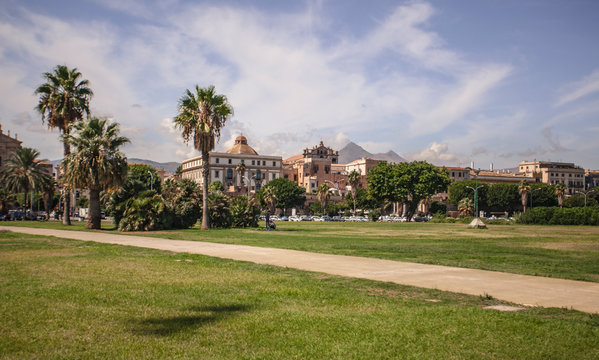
<point>520,289</point>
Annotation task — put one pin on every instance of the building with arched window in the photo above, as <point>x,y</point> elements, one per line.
<point>226,167</point>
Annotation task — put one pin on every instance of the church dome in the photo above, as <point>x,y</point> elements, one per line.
<point>241,147</point>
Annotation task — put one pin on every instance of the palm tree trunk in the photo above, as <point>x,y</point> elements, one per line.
<point>93,219</point>
<point>205,178</point>
<point>66,218</point>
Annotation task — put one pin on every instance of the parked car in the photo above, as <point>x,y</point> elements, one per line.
<point>294,218</point>
<point>317,218</point>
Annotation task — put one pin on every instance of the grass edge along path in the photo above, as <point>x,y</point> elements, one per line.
<point>521,289</point>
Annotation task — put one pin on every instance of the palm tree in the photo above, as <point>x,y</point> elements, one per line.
<point>201,117</point>
<point>240,169</point>
<point>465,206</point>
<point>323,196</point>
<point>560,191</point>
<point>24,173</point>
<point>63,100</point>
<point>354,179</point>
<point>524,189</point>
<point>96,162</point>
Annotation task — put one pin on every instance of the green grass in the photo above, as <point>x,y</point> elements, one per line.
<point>569,252</point>
<point>66,299</point>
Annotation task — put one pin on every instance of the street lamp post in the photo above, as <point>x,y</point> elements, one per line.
<point>531,191</point>
<point>475,188</point>
<point>585,193</point>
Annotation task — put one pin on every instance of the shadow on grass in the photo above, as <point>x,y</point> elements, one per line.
<point>200,316</point>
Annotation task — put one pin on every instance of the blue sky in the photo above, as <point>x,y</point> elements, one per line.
<point>447,81</point>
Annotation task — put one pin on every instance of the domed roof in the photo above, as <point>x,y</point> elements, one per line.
<point>241,147</point>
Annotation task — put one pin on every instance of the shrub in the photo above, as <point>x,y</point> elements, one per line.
<point>558,216</point>
<point>438,207</point>
<point>145,212</point>
<point>244,212</point>
<point>184,202</point>
<point>218,206</point>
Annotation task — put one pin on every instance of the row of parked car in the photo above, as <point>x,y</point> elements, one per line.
<point>14,215</point>
<point>317,218</point>
<point>385,218</point>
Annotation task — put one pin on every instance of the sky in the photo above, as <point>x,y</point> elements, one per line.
<point>446,81</point>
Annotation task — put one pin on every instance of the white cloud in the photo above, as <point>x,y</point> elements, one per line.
<point>579,89</point>
<point>438,154</point>
<point>289,89</point>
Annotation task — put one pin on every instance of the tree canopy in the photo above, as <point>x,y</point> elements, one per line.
<point>288,194</point>
<point>408,182</point>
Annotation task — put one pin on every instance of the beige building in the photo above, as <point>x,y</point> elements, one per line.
<point>551,173</point>
<point>314,167</point>
<point>8,146</point>
<point>259,169</point>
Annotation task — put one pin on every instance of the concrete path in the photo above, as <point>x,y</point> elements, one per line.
<point>520,289</point>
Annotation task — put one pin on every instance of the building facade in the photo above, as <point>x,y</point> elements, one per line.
<point>256,171</point>
<point>8,146</point>
<point>551,173</point>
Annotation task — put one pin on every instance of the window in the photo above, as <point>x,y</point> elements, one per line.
<point>274,163</point>
<point>263,162</point>
<point>253,162</point>
<point>216,173</point>
<point>230,161</point>
<point>216,160</point>
<point>294,177</point>
<point>229,173</point>
<point>452,174</point>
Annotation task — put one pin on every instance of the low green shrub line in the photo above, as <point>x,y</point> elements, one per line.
<point>560,216</point>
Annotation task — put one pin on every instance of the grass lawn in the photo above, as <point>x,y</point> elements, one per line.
<point>64,299</point>
<point>570,252</point>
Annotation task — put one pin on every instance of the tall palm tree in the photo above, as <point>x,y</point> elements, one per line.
<point>96,162</point>
<point>240,169</point>
<point>323,196</point>
<point>524,189</point>
<point>63,100</point>
<point>24,173</point>
<point>560,191</point>
<point>354,179</point>
<point>202,115</point>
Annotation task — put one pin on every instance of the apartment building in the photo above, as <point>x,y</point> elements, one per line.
<point>8,146</point>
<point>551,173</point>
<point>259,169</point>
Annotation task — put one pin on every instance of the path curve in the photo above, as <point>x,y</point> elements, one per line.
<point>520,289</point>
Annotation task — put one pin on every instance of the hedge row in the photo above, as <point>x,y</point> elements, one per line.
<point>558,216</point>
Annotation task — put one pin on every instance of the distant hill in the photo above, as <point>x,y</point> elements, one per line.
<point>353,151</point>
<point>169,167</point>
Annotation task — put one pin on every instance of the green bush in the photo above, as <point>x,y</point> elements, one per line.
<point>558,216</point>
<point>145,212</point>
<point>244,212</point>
<point>218,206</point>
<point>438,207</point>
<point>184,202</point>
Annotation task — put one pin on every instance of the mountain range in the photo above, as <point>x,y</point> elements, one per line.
<point>353,151</point>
